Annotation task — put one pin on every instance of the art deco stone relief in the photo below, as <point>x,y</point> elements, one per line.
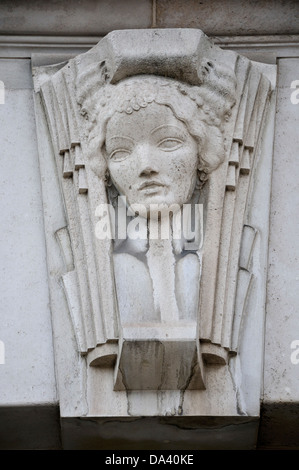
<point>155,135</point>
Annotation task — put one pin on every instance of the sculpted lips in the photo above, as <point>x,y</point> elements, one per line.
<point>152,184</point>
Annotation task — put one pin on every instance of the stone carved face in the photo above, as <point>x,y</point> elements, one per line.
<point>151,156</point>
<point>122,127</point>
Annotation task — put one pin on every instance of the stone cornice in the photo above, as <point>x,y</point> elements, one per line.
<point>258,47</point>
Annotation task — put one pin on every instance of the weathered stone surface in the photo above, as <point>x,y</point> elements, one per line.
<point>160,433</point>
<point>91,17</point>
<point>281,369</point>
<point>230,17</point>
<point>98,17</point>
<point>30,427</point>
<point>27,376</point>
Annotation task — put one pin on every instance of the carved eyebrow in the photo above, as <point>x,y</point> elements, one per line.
<point>166,126</point>
<point>119,137</point>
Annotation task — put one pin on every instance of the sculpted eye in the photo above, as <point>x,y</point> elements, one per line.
<point>119,154</point>
<point>170,143</point>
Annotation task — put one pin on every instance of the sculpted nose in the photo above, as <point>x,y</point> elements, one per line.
<point>148,171</point>
<point>146,162</point>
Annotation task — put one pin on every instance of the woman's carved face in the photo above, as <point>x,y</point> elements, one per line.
<point>152,158</point>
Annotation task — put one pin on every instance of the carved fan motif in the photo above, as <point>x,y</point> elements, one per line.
<point>226,277</point>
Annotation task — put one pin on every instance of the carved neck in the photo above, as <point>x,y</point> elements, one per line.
<point>161,264</point>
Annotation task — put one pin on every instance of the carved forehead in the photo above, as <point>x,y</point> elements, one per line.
<point>150,115</point>
<point>145,121</point>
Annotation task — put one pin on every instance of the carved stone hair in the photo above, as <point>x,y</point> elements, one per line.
<point>204,108</point>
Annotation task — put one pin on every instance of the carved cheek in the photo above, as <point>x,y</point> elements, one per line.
<point>124,174</point>
<point>116,171</point>
<point>186,163</point>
